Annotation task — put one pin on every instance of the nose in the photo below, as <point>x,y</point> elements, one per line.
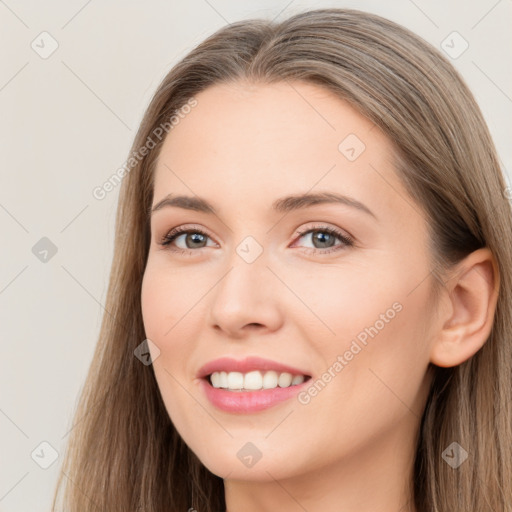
<point>246,299</point>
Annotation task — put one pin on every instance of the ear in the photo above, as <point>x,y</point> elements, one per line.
<point>467,315</point>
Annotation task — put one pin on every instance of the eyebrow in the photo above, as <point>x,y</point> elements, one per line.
<point>282,205</point>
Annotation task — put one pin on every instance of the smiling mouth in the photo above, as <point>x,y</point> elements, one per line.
<point>254,380</point>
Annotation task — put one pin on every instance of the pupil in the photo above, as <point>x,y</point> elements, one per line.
<point>321,236</point>
<point>195,237</point>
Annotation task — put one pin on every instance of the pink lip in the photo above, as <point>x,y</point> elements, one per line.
<point>247,401</point>
<point>228,364</point>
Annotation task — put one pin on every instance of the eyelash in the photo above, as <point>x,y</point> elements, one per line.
<point>347,240</point>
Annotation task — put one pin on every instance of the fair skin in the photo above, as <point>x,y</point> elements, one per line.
<point>351,447</point>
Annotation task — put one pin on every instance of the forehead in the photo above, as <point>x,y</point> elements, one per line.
<point>243,143</point>
<point>280,115</point>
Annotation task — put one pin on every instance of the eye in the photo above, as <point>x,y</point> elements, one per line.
<point>324,237</point>
<point>193,238</point>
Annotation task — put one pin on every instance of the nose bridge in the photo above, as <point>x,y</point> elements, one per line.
<point>248,273</point>
<point>246,294</point>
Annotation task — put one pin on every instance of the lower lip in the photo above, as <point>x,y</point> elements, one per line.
<point>248,401</point>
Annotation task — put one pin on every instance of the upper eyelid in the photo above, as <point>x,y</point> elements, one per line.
<point>185,228</point>
<point>322,225</point>
<point>317,225</point>
<point>298,232</point>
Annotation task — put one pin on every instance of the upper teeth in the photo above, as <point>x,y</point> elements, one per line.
<point>254,380</point>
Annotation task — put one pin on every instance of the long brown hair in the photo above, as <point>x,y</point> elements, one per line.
<point>123,452</point>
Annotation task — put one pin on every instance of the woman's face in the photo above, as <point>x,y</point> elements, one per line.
<point>276,279</point>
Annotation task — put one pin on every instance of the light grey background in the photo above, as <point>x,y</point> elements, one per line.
<point>66,125</point>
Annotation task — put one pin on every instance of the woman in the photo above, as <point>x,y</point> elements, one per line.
<point>313,249</point>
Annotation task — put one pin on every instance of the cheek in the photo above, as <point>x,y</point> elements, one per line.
<point>167,312</point>
<point>156,306</point>
<point>160,313</point>
<point>338,302</point>
<point>377,385</point>
<point>372,335</point>
<point>167,297</point>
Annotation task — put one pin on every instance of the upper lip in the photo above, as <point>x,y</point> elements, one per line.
<point>228,364</point>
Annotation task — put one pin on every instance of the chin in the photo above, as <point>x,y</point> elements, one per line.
<point>239,458</point>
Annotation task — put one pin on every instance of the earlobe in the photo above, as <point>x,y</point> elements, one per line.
<point>472,295</point>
